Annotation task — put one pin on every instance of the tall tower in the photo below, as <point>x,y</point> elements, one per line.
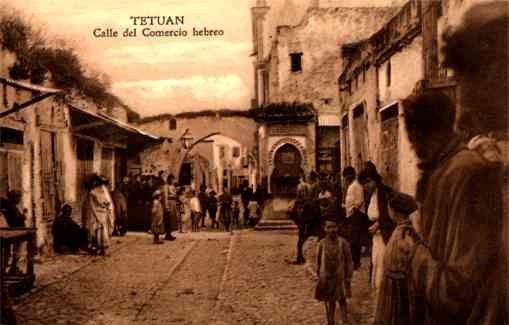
<point>314,4</point>
<point>258,14</point>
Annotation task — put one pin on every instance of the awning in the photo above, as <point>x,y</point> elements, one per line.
<point>388,105</point>
<point>108,129</point>
<point>42,93</point>
<point>328,120</point>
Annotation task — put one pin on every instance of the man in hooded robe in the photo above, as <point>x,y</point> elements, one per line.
<point>99,215</point>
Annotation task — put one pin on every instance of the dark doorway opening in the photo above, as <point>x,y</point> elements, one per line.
<point>185,174</point>
<point>287,171</point>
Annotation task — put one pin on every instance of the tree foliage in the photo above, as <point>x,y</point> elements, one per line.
<point>38,61</point>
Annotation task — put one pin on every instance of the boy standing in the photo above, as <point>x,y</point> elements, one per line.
<point>334,270</point>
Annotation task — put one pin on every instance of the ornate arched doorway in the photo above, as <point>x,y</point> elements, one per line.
<point>287,170</point>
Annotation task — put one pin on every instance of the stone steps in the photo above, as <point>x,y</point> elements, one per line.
<point>275,216</point>
<point>276,224</point>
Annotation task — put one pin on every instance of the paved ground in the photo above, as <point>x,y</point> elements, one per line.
<point>202,278</point>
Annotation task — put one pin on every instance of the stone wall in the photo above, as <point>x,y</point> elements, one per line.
<point>319,37</point>
<point>242,129</point>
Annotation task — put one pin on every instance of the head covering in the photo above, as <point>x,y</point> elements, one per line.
<point>156,194</point>
<point>369,172</point>
<point>329,221</point>
<point>403,203</point>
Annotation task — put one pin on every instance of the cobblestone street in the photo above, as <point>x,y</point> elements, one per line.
<point>202,278</point>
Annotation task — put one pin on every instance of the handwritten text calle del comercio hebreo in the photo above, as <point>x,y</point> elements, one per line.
<point>156,26</point>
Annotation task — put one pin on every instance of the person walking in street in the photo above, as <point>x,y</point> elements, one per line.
<point>398,303</point>
<point>378,213</point>
<point>236,214</point>
<point>212,207</point>
<point>120,202</point>
<point>202,196</point>
<point>180,207</point>
<point>246,194</point>
<point>225,209</point>
<point>157,217</point>
<point>99,215</point>
<point>334,270</point>
<point>169,201</point>
<point>354,208</point>
<point>194,203</point>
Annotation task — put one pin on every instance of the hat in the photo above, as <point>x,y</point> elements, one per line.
<point>156,194</point>
<point>402,203</point>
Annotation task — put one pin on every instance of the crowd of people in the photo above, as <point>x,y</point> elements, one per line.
<point>439,257</point>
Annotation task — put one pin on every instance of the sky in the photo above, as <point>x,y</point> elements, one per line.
<point>165,74</point>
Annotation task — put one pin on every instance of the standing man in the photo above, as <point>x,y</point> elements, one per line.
<point>354,206</point>
<point>462,271</point>
<point>246,195</point>
<point>225,208</point>
<point>203,198</point>
<point>169,200</point>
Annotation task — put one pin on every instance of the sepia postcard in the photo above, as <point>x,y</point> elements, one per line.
<point>254,162</point>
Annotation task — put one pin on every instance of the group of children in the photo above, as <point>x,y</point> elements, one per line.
<point>335,268</point>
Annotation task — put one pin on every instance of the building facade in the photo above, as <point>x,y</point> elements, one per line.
<point>402,58</point>
<point>50,146</point>
<point>297,58</point>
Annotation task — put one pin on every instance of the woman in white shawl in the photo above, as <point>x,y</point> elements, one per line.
<point>98,215</point>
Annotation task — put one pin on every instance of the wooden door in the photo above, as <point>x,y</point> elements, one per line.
<point>389,146</point>
<point>48,175</point>
<point>85,166</point>
<point>107,166</point>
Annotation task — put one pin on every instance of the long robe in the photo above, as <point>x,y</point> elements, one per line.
<point>99,216</point>
<point>169,202</point>
<point>397,303</point>
<point>463,272</point>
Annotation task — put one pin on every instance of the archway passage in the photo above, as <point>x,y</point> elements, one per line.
<point>186,174</point>
<point>287,170</point>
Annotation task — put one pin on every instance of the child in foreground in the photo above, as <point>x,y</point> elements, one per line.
<point>334,270</point>
<point>398,303</point>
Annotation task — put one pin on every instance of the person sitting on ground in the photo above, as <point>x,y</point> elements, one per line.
<point>157,217</point>
<point>397,300</point>
<point>334,269</point>
<point>68,236</point>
